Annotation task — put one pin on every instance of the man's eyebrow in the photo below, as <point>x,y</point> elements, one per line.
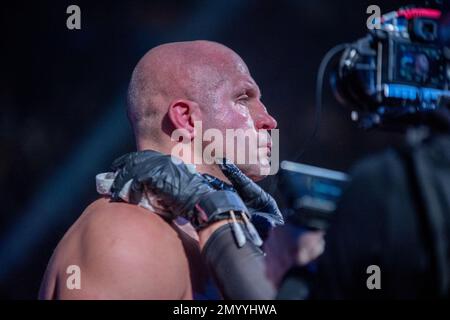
<point>251,86</point>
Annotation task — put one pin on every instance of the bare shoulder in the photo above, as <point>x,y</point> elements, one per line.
<point>119,221</point>
<point>125,251</point>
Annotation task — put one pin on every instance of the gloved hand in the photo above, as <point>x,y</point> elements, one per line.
<point>183,193</point>
<point>178,188</point>
<point>258,201</point>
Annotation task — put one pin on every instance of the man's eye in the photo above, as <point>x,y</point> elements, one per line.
<point>243,99</point>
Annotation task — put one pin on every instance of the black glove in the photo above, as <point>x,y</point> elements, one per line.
<point>182,192</point>
<point>261,205</point>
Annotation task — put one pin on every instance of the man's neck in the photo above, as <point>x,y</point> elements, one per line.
<point>211,169</point>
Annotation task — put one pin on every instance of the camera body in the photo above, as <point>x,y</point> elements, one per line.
<point>397,72</point>
<point>312,193</point>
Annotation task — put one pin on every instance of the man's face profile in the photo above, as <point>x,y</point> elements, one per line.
<point>238,113</point>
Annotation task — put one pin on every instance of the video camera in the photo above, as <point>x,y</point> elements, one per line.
<point>398,71</point>
<point>393,78</point>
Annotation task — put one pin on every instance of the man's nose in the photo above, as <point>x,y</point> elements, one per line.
<point>265,121</point>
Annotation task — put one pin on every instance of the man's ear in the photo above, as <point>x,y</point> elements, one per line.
<point>183,114</point>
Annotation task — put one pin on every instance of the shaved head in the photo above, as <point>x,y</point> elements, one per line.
<point>182,70</point>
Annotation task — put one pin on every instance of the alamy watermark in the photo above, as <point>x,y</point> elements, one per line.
<point>374,280</point>
<point>73,281</point>
<point>73,21</point>
<point>374,20</point>
<point>241,146</point>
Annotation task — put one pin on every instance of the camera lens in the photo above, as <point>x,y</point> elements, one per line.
<point>428,29</point>
<point>424,30</point>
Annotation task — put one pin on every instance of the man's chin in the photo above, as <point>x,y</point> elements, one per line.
<point>256,172</point>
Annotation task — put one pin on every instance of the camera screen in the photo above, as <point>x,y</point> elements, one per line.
<point>312,193</point>
<point>419,65</point>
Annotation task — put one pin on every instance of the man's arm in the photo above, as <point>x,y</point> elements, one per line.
<point>239,272</point>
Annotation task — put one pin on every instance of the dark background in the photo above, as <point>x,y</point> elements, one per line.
<point>62,99</point>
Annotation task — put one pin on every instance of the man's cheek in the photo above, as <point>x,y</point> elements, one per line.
<point>243,117</point>
<point>236,116</point>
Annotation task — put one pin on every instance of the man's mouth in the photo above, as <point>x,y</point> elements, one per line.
<point>268,147</point>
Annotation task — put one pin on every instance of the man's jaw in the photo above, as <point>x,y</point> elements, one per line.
<point>252,171</point>
<point>213,170</point>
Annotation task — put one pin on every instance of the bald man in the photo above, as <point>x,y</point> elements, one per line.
<point>123,251</point>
